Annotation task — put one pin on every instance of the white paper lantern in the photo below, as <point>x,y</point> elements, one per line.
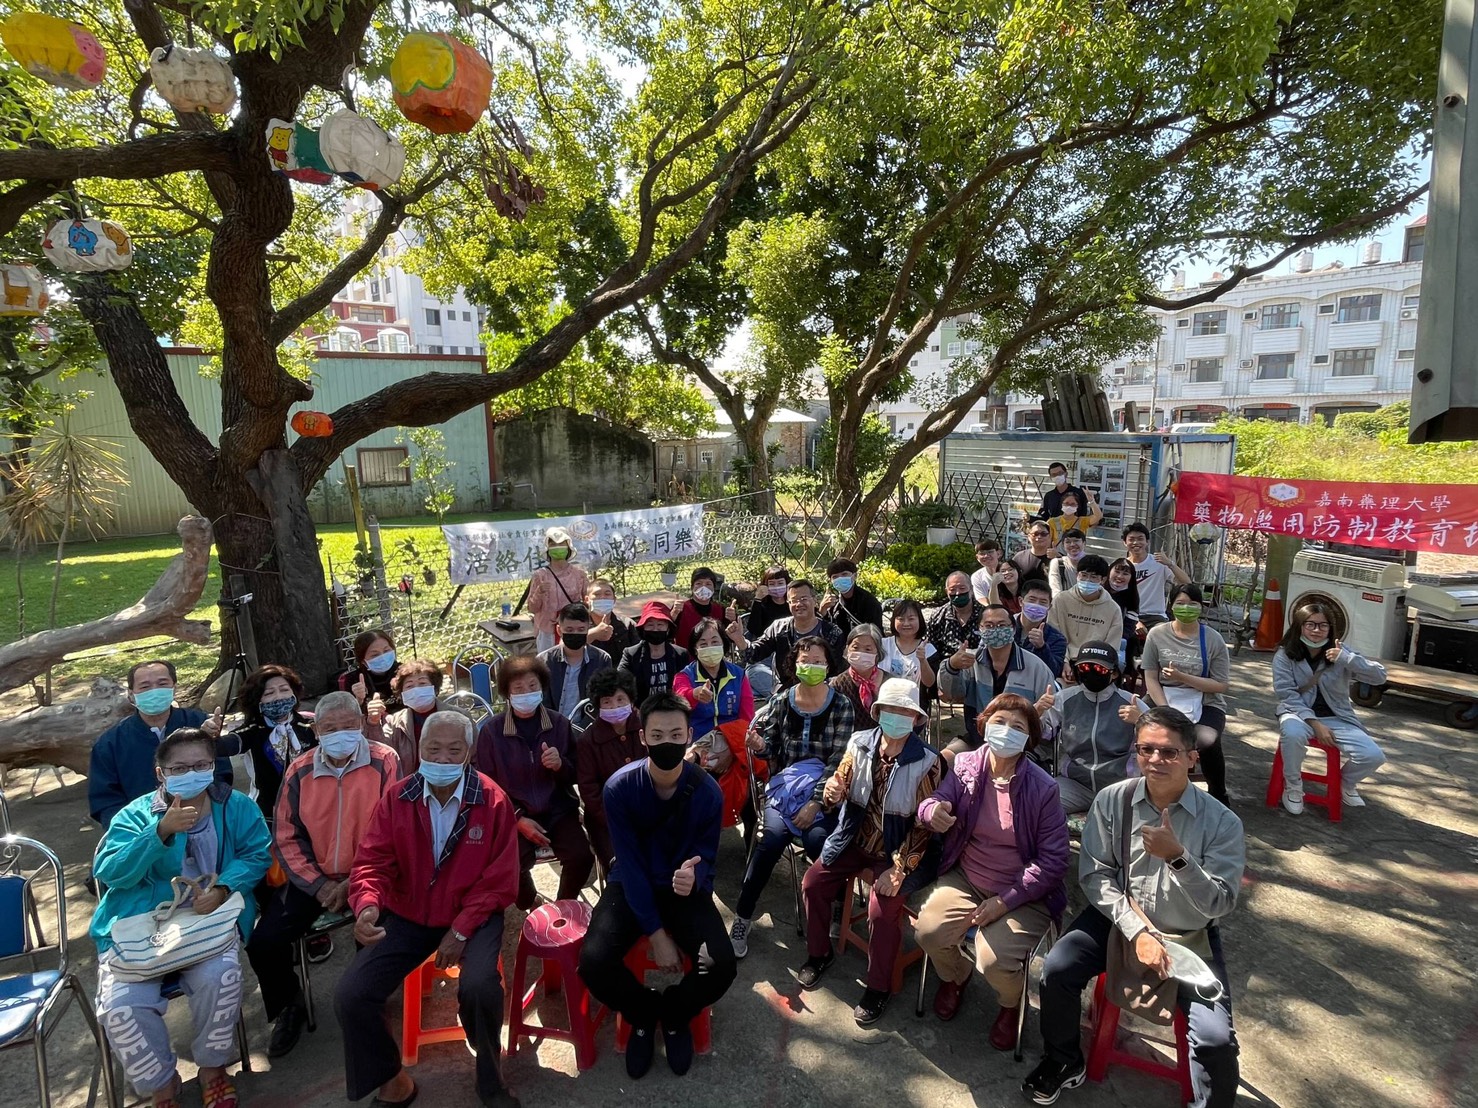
<point>87,245</point>
<point>360,150</point>
<point>24,290</point>
<point>193,80</point>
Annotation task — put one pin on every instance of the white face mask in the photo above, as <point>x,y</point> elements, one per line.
<point>1005,741</point>
<point>1060,479</point>
<point>703,594</point>
<point>603,605</point>
<point>418,699</point>
<point>863,661</point>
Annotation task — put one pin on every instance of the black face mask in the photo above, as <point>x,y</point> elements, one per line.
<point>1094,680</point>
<point>667,755</point>
<point>573,640</point>
<point>655,635</point>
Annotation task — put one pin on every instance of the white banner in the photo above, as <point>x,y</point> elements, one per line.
<point>511,550</point>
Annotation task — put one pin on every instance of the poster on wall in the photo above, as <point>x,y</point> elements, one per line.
<point>510,550</point>
<point>1104,473</point>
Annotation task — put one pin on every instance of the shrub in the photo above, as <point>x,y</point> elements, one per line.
<point>933,563</point>
<point>914,520</point>
<point>885,582</point>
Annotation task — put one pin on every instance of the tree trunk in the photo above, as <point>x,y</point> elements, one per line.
<point>751,435</point>
<point>63,734</point>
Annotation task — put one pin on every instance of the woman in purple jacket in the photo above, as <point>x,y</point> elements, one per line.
<point>1005,854</point>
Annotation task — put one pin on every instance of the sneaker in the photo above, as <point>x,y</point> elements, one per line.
<point>1293,802</point>
<point>809,975</point>
<point>287,1030</point>
<point>679,1045</point>
<point>739,936</point>
<point>640,1048</point>
<point>870,1008</point>
<point>1045,1082</point>
<point>320,948</point>
<point>1352,799</point>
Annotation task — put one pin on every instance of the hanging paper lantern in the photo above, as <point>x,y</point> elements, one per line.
<point>313,425</point>
<point>60,52</point>
<point>25,290</point>
<point>360,150</point>
<point>293,150</point>
<point>87,245</point>
<point>440,82</point>
<point>193,80</point>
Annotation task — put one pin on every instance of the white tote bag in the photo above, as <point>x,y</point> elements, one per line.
<point>173,936</point>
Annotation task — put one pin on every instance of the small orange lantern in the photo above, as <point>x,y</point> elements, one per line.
<point>440,82</point>
<point>313,425</point>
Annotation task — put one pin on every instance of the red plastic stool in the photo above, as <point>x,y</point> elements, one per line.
<point>1105,1051</point>
<point>639,961</point>
<point>854,930</point>
<point>412,1035</point>
<point>554,935</point>
<point>1331,799</point>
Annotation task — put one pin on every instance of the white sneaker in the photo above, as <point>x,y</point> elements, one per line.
<point>1353,799</point>
<point>739,937</point>
<point>1293,802</point>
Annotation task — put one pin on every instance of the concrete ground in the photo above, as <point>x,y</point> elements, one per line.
<point>1351,955</point>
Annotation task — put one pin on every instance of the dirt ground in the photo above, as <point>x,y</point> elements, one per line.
<point>1351,955</point>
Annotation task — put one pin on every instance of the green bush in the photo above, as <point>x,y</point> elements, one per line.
<point>887,583</point>
<point>915,520</point>
<point>933,563</point>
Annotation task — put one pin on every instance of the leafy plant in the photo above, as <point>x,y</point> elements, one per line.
<point>885,582</point>
<point>429,466</point>
<point>914,520</point>
<point>932,563</point>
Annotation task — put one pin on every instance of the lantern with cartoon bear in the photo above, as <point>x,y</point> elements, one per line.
<point>87,245</point>
<point>58,51</point>
<point>24,288</point>
<point>313,425</point>
<point>193,80</point>
<point>440,82</point>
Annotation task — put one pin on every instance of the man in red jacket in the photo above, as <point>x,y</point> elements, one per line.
<point>433,874</point>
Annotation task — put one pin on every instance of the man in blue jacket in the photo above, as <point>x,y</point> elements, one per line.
<point>122,765</point>
<point>664,815</point>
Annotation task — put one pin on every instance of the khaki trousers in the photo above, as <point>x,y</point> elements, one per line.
<point>1001,948</point>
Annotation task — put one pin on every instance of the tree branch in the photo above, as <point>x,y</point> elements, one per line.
<point>16,202</point>
<point>152,156</point>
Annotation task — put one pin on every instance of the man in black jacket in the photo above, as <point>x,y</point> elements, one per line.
<point>850,604</point>
<point>1052,498</point>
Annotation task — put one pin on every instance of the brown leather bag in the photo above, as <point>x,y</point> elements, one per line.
<point>1131,985</point>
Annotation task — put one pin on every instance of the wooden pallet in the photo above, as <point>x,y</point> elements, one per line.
<point>1458,690</point>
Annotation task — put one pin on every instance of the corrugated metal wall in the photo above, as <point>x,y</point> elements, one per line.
<point>152,503</point>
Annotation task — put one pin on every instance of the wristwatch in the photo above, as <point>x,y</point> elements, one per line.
<point>1179,862</point>
<point>461,938</point>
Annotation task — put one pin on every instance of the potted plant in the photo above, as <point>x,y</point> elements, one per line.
<point>668,570</point>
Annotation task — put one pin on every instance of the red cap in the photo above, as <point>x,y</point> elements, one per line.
<point>654,609</point>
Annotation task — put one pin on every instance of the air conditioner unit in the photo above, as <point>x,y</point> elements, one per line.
<point>1182,323</point>
<point>1366,599</point>
<point>1178,367</point>
<point>1251,315</point>
<point>1326,309</point>
<point>1408,313</point>
<point>1246,363</point>
<point>1321,359</point>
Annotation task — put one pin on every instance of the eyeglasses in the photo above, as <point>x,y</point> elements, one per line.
<point>1158,753</point>
<point>180,771</point>
<point>1316,627</point>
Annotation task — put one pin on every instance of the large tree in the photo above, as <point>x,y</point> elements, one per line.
<point>1032,168</point>
<point>718,87</point>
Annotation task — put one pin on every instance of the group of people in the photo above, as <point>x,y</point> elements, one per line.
<point>629,747</point>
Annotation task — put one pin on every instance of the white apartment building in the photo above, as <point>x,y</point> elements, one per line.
<point>387,309</point>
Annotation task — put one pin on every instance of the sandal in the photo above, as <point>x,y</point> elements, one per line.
<point>220,1093</point>
<point>173,1100</point>
<point>379,1103</point>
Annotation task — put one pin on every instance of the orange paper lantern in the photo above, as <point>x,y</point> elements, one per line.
<point>440,82</point>
<point>313,425</point>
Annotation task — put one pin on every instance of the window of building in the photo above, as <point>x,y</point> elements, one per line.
<point>433,317</point>
<point>1278,317</point>
<point>1358,309</point>
<point>1281,413</point>
<point>1032,418</point>
<point>394,342</point>
<point>952,350</point>
<point>1416,244</point>
<point>1274,367</point>
<point>374,290</point>
<point>1209,323</point>
<point>435,350</point>
<point>466,317</point>
<point>1406,354</point>
<point>1329,412</point>
<point>1412,301</point>
<point>367,314</point>
<point>383,466</point>
<point>1353,363</point>
<point>1204,370</point>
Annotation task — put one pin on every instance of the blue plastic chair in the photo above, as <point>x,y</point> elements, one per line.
<point>32,1003</point>
<point>478,662</point>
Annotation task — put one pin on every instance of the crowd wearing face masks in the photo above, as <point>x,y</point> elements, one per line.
<point>621,750</point>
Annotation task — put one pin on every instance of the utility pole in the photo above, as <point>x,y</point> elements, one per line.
<point>1444,391</point>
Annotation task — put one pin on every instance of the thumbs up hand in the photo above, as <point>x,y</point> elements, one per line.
<point>942,818</point>
<point>549,758</point>
<point>1160,839</point>
<point>213,725</point>
<point>1332,654</point>
<point>374,711</point>
<point>685,877</point>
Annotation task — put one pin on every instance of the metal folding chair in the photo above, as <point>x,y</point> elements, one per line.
<point>795,853</point>
<point>476,665</point>
<point>583,717</point>
<point>477,708</point>
<point>31,1004</point>
<point>327,922</point>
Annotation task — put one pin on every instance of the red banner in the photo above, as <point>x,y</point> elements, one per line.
<point>1398,517</point>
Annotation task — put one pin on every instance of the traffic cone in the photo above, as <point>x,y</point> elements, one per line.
<point>1270,626</point>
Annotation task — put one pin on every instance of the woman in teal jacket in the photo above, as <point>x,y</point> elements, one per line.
<point>190,827</point>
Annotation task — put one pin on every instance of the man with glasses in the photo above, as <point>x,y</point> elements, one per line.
<point>1087,612</point>
<point>1161,861</point>
<point>1093,721</point>
<point>1033,562</point>
<point>977,676</point>
<point>780,638</point>
<point>1153,576</point>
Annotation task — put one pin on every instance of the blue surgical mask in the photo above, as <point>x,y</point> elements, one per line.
<point>339,744</point>
<point>842,584</point>
<point>602,605</point>
<point>153,702</point>
<point>526,703</point>
<point>895,726</point>
<point>383,663</point>
<point>419,699</point>
<point>1005,742</point>
<point>1089,589</point>
<point>187,786</point>
<point>441,773</point>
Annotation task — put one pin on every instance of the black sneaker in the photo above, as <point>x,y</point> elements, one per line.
<point>870,1008</point>
<point>809,975</point>
<point>679,1046</point>
<point>287,1030</point>
<point>640,1048</point>
<point>1045,1082</point>
<point>320,948</point>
